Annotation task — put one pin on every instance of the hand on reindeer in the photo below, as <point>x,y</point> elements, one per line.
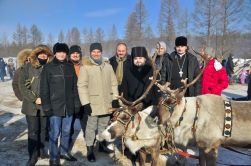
<point>88,109</point>
<point>115,104</point>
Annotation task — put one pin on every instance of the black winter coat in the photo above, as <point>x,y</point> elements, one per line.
<point>230,65</point>
<point>58,88</point>
<point>135,83</point>
<point>193,71</point>
<point>127,63</point>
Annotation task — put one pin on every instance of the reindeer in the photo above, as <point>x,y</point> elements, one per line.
<point>207,120</point>
<point>133,124</point>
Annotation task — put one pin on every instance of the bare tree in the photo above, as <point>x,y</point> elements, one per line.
<point>50,41</point>
<point>183,23</point>
<point>85,35</point>
<point>204,18</point>
<point>248,15</point>
<point>25,36</point>
<point>68,37</point>
<point>4,44</point>
<point>61,36</point>
<point>114,33</point>
<point>166,24</point>
<point>35,36</point>
<point>149,35</point>
<point>75,35</point>
<point>131,30</point>
<point>17,36</point>
<point>90,36</point>
<point>141,15</point>
<point>99,35</point>
<point>231,15</point>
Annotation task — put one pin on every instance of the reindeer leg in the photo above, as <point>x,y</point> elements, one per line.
<point>212,157</point>
<point>142,158</point>
<point>202,156</point>
<point>155,153</point>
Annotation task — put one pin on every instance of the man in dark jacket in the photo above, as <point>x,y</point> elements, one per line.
<point>29,85</point>
<point>136,79</point>
<point>2,69</point>
<point>230,68</point>
<point>60,101</point>
<point>180,65</point>
<point>120,62</point>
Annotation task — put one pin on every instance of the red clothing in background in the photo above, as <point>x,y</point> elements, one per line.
<point>214,78</point>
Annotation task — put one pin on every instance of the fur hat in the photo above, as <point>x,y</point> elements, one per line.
<point>75,48</point>
<point>181,41</point>
<point>94,46</point>
<point>60,47</point>
<point>139,52</point>
<point>33,55</point>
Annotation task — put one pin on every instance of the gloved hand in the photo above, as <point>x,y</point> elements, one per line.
<point>88,109</point>
<point>115,104</point>
<point>76,110</point>
<point>48,113</point>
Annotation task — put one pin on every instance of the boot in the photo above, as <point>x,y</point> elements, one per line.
<point>103,147</point>
<point>90,155</point>
<point>32,161</point>
<point>43,154</point>
<point>54,163</point>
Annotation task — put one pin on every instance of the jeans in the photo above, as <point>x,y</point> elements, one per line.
<point>36,133</point>
<point>59,124</point>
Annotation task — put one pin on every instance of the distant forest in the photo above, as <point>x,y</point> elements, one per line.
<point>222,24</point>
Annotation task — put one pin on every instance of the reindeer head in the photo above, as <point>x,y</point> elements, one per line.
<point>171,98</point>
<point>122,118</point>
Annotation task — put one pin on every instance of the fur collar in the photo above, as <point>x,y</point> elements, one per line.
<point>21,57</point>
<point>33,55</point>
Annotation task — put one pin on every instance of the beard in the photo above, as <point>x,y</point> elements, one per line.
<point>75,61</point>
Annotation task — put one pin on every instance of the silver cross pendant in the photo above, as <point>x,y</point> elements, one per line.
<point>180,73</point>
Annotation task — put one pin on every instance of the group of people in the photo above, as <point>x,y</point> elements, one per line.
<point>56,87</point>
<point>10,68</point>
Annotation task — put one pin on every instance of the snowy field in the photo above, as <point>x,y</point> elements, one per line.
<point>13,138</point>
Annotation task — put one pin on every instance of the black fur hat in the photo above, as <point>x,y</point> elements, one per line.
<point>75,48</point>
<point>139,52</point>
<point>181,41</point>
<point>60,47</point>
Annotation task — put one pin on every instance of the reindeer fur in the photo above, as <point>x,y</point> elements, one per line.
<point>208,135</point>
<point>148,136</point>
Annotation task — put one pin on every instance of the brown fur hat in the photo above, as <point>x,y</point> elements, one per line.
<point>22,56</point>
<point>38,49</point>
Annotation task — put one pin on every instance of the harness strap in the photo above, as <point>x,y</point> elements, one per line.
<point>228,119</point>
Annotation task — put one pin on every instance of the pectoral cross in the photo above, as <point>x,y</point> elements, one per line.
<point>180,73</point>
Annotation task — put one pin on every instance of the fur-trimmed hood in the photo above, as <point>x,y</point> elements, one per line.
<point>89,62</point>
<point>33,56</point>
<point>21,57</point>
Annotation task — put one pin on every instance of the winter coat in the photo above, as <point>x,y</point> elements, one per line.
<point>230,65</point>
<point>214,78</point>
<point>249,90</point>
<point>32,71</point>
<point>59,88</point>
<point>97,85</point>
<point>193,71</point>
<point>2,68</point>
<point>21,58</point>
<point>135,83</point>
<point>114,63</point>
<point>158,63</point>
<point>10,67</point>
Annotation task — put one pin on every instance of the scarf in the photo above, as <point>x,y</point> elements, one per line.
<point>120,67</point>
<point>97,61</point>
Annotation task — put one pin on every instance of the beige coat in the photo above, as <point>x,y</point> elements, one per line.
<point>97,85</point>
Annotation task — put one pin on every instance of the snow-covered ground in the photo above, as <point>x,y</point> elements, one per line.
<point>13,138</point>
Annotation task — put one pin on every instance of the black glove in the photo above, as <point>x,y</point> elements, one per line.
<point>48,113</point>
<point>88,109</point>
<point>115,104</point>
<point>76,110</point>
